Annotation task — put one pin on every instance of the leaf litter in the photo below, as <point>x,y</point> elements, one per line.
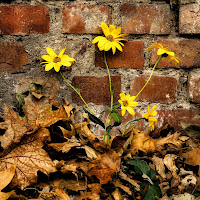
<point>50,152</point>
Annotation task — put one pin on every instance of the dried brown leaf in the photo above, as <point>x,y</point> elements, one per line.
<point>62,194</point>
<point>143,142</point>
<point>159,165</point>
<point>126,189</point>
<point>116,194</point>
<point>29,158</point>
<point>6,176</point>
<point>131,181</point>
<point>192,157</point>
<point>104,166</point>
<point>5,195</point>
<point>38,113</point>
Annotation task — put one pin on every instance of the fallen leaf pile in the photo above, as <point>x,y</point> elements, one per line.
<point>49,152</point>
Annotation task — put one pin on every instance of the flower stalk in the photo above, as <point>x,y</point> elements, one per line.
<point>79,94</point>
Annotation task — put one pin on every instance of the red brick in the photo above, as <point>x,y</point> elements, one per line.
<point>142,19</point>
<point>189,21</point>
<point>24,19</point>
<point>174,117</point>
<point>12,57</point>
<point>132,56</point>
<point>188,50</point>
<point>95,89</point>
<point>84,18</point>
<point>194,87</point>
<point>161,89</point>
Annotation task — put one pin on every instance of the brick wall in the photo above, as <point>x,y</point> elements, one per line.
<point>28,27</point>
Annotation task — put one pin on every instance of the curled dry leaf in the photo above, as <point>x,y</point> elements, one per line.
<point>116,194</point>
<point>5,178</point>
<point>104,166</point>
<point>159,165</point>
<point>192,157</point>
<point>29,158</point>
<point>62,194</point>
<point>131,181</point>
<point>38,113</point>
<point>188,180</point>
<point>126,189</point>
<point>146,144</point>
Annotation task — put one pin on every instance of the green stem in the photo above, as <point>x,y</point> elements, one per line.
<point>129,123</point>
<point>157,62</point>
<point>79,94</point>
<point>105,128</point>
<point>111,93</point>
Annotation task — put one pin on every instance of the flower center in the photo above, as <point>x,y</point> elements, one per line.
<point>56,59</point>
<point>110,38</point>
<point>164,54</point>
<point>125,103</point>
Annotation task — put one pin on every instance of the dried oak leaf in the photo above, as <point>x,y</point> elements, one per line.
<point>29,158</point>
<point>38,113</point>
<point>5,178</point>
<point>143,142</point>
<point>192,157</point>
<point>104,166</point>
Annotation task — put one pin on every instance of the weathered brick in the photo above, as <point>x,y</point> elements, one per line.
<point>12,57</point>
<point>174,117</point>
<point>84,18</point>
<point>161,89</point>
<point>95,89</point>
<point>189,21</point>
<point>194,87</point>
<point>132,56</point>
<point>24,19</point>
<point>188,50</point>
<point>142,19</point>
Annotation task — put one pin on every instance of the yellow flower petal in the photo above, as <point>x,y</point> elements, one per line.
<point>47,58</point>
<point>105,29</point>
<point>123,111</point>
<point>116,32</point>
<point>57,67</point>
<point>118,46</point>
<point>161,51</point>
<point>51,52</point>
<point>113,49</point>
<point>111,28</point>
<point>65,63</point>
<point>49,66</point>
<point>130,110</point>
<point>108,45</point>
<point>96,39</point>
<point>61,53</point>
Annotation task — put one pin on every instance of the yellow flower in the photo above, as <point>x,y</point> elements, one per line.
<point>165,52</point>
<point>150,116</point>
<point>56,61</point>
<point>112,39</point>
<point>127,103</point>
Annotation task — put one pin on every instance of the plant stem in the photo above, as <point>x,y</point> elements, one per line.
<point>111,93</point>
<point>79,94</point>
<point>157,62</point>
<point>105,129</point>
<point>129,123</point>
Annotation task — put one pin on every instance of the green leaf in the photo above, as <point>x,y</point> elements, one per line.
<point>94,118</point>
<point>140,166</point>
<point>153,192</point>
<point>117,118</point>
<point>152,174</point>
